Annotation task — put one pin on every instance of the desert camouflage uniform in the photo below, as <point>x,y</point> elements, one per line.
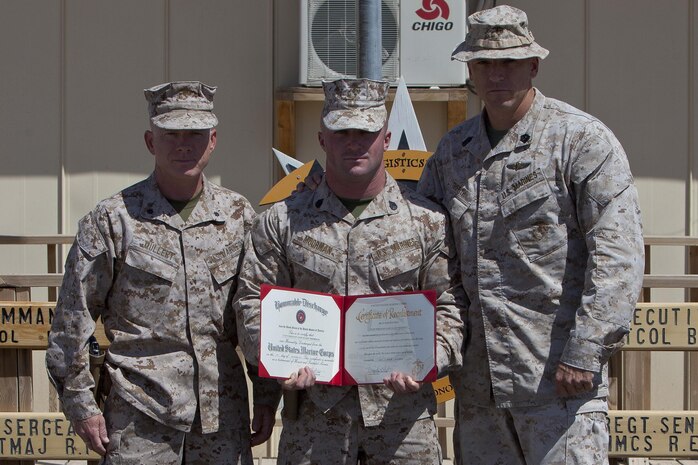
<point>162,288</point>
<point>399,243</point>
<point>547,227</point>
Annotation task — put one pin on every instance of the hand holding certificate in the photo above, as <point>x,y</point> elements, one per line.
<point>347,340</point>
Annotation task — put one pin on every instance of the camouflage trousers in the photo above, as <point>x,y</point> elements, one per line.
<point>339,437</point>
<point>555,434</point>
<point>135,439</point>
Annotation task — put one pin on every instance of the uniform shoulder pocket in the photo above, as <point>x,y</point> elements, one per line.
<point>314,255</point>
<point>610,181</point>
<point>89,237</point>
<point>457,206</point>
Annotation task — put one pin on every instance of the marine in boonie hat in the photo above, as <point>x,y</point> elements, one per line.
<point>498,33</point>
<point>355,104</point>
<point>181,105</point>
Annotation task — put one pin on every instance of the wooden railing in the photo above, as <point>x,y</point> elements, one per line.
<point>636,430</point>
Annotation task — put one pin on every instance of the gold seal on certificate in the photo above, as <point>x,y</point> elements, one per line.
<point>347,340</point>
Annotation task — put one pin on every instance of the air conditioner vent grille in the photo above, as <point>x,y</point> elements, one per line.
<point>332,38</point>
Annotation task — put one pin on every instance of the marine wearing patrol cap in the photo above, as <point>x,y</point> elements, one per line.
<point>181,105</point>
<point>355,104</point>
<point>498,33</point>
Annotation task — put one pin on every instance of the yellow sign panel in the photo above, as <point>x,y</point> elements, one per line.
<point>405,165</point>
<point>636,433</point>
<point>285,187</point>
<point>443,389</point>
<point>40,435</point>
<point>25,325</point>
<point>663,327</point>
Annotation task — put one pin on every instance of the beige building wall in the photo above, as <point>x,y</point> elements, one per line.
<point>72,113</point>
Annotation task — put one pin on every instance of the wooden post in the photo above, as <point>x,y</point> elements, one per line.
<point>457,110</point>
<point>691,358</point>
<point>16,390</point>
<point>285,134</point>
<point>637,366</point>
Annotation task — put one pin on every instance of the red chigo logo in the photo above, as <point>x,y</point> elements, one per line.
<point>432,9</point>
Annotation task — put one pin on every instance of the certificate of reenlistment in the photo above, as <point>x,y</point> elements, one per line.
<point>347,340</point>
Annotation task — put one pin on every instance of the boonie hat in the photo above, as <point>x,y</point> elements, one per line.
<point>181,105</point>
<point>498,33</point>
<point>354,104</point>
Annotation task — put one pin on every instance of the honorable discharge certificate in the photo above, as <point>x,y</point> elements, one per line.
<point>347,340</point>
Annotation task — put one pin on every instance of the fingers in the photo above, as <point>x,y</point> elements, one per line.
<point>302,379</point>
<point>93,431</point>
<point>401,383</point>
<point>300,187</point>
<point>571,381</point>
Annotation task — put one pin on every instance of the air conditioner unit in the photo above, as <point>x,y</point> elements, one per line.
<point>418,37</point>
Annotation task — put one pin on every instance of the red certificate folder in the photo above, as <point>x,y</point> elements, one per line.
<point>347,340</point>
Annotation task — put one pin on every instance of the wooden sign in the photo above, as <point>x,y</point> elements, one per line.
<point>27,435</point>
<point>443,389</point>
<point>657,326</point>
<point>25,325</point>
<point>285,187</point>
<point>405,165</point>
<point>636,433</point>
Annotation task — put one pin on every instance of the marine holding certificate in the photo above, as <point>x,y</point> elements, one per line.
<point>368,244</point>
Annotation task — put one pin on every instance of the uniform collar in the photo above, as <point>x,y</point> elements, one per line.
<point>157,208</point>
<point>518,138</point>
<point>387,202</point>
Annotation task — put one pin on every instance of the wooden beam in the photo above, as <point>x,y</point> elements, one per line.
<point>672,240</point>
<point>40,240</point>
<point>31,280</point>
<point>417,94</point>
<point>670,281</point>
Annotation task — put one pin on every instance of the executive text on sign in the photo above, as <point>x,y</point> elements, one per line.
<point>663,327</point>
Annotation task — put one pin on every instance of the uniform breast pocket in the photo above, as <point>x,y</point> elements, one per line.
<point>398,270</point>
<point>311,264</point>
<point>147,279</point>
<point>223,267</point>
<point>151,264</point>
<point>532,214</point>
<point>225,264</point>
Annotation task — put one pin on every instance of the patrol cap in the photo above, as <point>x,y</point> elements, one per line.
<point>181,105</point>
<point>498,33</point>
<point>354,104</point>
